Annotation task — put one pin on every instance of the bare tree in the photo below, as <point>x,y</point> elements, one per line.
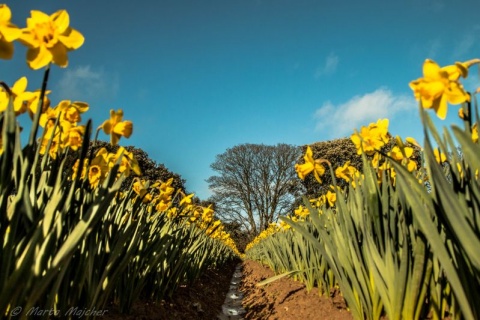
<point>255,184</point>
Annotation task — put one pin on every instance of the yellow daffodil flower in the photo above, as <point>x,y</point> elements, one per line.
<point>75,169</point>
<point>207,214</point>
<point>95,176</point>
<point>21,98</point>
<point>99,168</point>
<point>71,110</point>
<point>371,138</point>
<point>128,163</point>
<point>375,161</point>
<point>140,188</point>
<point>331,198</point>
<point>301,212</point>
<point>357,177</point>
<point>440,86</point>
<point>49,38</point>
<point>186,199</point>
<point>412,141</point>
<point>8,32</point>
<point>318,202</point>
<point>166,190</point>
<point>310,165</point>
<point>116,128</point>
<point>460,170</point>
<point>285,226</point>
<point>439,156</point>
<point>475,133</point>
<point>35,101</point>
<point>345,172</point>
<point>4,100</point>
<point>48,118</point>
<point>403,156</point>
<point>53,134</point>
<point>162,206</point>
<point>72,136</point>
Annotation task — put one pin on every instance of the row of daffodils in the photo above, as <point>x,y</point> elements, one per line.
<point>402,238</point>
<point>73,241</point>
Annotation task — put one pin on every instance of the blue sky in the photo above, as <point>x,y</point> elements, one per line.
<point>198,77</point>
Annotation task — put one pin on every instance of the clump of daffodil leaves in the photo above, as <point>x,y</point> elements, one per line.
<point>379,280</point>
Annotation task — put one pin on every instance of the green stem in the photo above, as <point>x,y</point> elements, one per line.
<point>6,87</point>
<point>36,118</point>
<point>467,115</point>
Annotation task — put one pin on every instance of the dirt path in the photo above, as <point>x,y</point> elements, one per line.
<point>203,300</point>
<point>286,299</point>
<point>283,299</point>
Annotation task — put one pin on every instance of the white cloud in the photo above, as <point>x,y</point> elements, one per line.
<point>341,120</point>
<point>329,67</point>
<point>82,83</point>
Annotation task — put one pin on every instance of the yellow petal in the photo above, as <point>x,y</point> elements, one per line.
<point>38,58</point>
<point>430,69</point>
<point>452,72</point>
<point>28,39</point>
<point>408,152</point>
<point>118,116</point>
<point>114,138</point>
<point>433,89</point>
<point>317,177</point>
<point>20,85</point>
<point>3,102</point>
<point>107,126</point>
<point>5,13</point>
<point>475,133</point>
<point>124,128</point>
<point>411,166</point>
<point>18,106</point>
<point>6,50</point>
<point>455,94</point>
<point>64,104</point>
<point>37,17</point>
<point>440,106</point>
<point>304,169</point>
<point>72,39</point>
<point>10,32</point>
<point>80,106</point>
<point>414,85</point>
<point>59,54</point>
<point>412,141</point>
<point>308,155</point>
<point>396,153</point>
<point>61,20</point>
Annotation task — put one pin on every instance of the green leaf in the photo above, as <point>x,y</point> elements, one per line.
<point>277,277</point>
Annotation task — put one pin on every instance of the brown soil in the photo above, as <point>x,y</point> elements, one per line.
<point>202,300</point>
<point>283,299</point>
